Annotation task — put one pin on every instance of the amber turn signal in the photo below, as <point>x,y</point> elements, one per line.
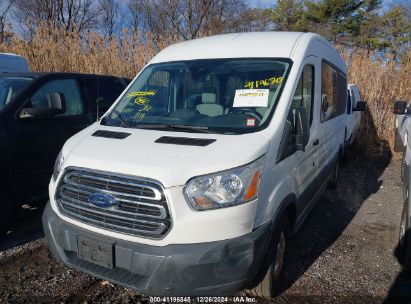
<point>253,188</point>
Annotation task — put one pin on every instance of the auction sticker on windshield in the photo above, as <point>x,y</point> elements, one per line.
<point>251,98</point>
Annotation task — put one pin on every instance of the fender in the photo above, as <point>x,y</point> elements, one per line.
<point>269,206</point>
<point>286,207</point>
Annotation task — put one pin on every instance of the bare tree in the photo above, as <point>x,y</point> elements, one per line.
<point>5,7</point>
<point>110,17</point>
<point>186,19</point>
<point>71,15</point>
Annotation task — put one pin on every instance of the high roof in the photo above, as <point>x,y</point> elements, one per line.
<point>254,44</point>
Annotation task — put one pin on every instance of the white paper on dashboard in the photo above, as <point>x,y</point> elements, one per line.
<point>251,98</point>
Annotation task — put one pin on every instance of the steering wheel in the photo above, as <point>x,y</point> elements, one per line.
<point>251,112</point>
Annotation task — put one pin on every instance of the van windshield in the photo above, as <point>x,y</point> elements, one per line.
<point>216,96</point>
<point>10,87</point>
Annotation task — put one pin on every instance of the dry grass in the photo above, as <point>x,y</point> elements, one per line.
<point>380,81</point>
<point>57,50</point>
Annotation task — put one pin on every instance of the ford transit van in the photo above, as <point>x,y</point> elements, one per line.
<point>355,106</point>
<point>194,180</point>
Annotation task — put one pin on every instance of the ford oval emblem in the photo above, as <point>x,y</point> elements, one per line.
<point>102,200</point>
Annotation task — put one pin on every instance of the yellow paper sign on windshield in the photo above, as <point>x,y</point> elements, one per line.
<point>251,98</point>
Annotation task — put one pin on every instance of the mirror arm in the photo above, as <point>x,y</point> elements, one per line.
<point>299,142</point>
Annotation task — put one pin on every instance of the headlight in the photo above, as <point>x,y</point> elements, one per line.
<point>226,188</point>
<point>57,166</point>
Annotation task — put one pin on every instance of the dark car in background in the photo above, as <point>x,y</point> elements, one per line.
<point>38,113</point>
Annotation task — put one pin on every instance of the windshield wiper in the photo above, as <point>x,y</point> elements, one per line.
<point>173,127</point>
<point>120,117</point>
<point>123,121</point>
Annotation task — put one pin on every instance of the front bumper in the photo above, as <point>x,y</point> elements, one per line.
<point>212,268</point>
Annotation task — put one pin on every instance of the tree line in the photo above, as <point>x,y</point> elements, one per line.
<point>366,24</point>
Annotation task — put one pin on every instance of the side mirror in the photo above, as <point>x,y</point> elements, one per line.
<point>400,107</point>
<point>302,129</point>
<point>360,106</point>
<point>56,104</point>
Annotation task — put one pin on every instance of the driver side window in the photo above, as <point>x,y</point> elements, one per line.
<point>67,87</point>
<point>304,94</point>
<point>303,98</point>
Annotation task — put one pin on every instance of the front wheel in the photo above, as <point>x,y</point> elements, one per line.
<point>5,214</point>
<point>269,287</point>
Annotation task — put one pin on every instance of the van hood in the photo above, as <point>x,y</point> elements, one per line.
<point>173,164</point>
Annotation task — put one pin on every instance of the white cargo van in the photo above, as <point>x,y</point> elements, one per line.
<point>13,63</point>
<point>192,183</point>
<point>355,106</point>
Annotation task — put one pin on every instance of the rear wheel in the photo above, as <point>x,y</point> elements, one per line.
<point>347,154</point>
<point>404,241</point>
<point>333,182</point>
<point>5,214</point>
<point>403,167</point>
<point>269,287</point>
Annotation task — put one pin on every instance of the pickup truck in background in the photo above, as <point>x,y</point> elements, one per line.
<point>402,131</point>
<point>38,113</point>
<point>355,106</point>
<point>11,63</point>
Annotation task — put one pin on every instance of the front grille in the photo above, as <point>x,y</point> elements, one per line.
<point>141,208</point>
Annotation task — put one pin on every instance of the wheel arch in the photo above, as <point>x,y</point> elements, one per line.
<point>287,208</point>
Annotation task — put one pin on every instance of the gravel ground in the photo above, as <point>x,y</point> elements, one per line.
<point>343,252</point>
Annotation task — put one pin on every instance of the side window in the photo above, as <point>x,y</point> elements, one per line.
<point>333,93</point>
<point>304,94</point>
<point>303,98</point>
<point>67,87</point>
<point>103,91</point>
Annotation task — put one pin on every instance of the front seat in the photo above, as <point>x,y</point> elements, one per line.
<point>208,105</point>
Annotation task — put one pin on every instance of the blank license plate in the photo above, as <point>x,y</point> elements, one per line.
<point>97,252</point>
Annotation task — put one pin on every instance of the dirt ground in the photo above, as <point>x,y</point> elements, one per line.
<point>343,252</point>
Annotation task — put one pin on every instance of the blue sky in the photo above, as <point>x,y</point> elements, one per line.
<point>261,3</point>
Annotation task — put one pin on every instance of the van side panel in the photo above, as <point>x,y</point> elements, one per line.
<point>290,176</point>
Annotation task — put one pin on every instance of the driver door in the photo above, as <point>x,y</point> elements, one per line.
<point>36,141</point>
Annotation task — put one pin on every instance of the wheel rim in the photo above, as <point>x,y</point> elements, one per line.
<point>280,253</point>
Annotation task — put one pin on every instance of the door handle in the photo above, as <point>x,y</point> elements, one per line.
<point>316,142</point>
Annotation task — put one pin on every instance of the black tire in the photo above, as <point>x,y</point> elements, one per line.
<point>5,214</point>
<point>403,167</point>
<point>269,287</point>
<point>404,246</point>
<point>347,154</point>
<point>333,181</point>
